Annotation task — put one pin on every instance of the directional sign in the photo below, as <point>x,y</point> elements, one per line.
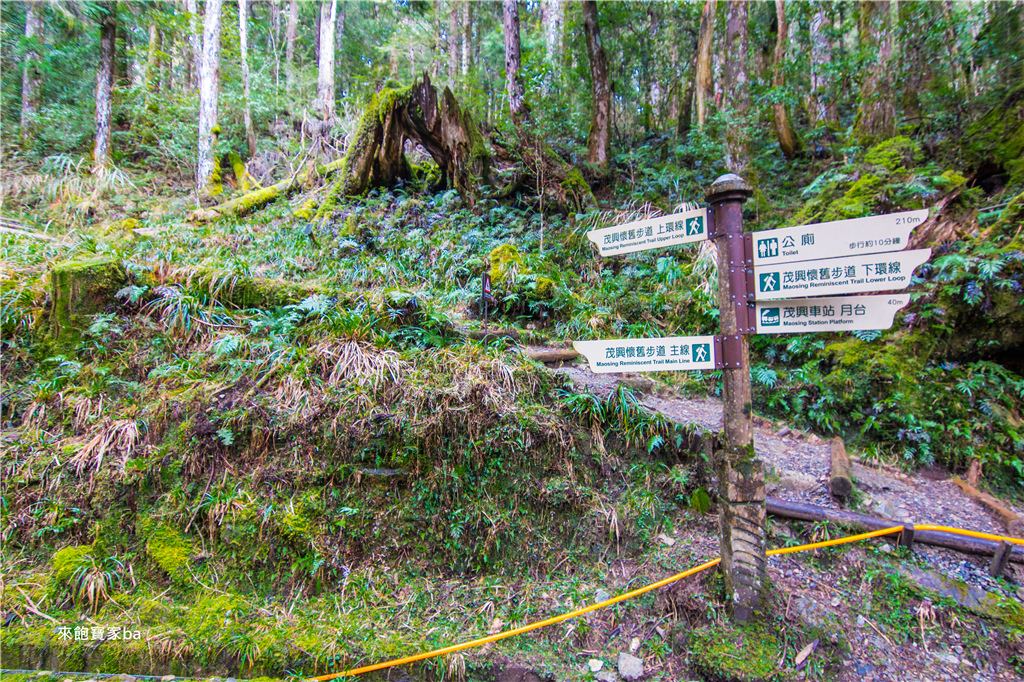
<point>669,354</point>
<point>839,314</point>
<point>874,234</point>
<point>653,233</point>
<point>878,272</point>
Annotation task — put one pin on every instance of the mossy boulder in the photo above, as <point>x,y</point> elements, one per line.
<point>80,290</point>
<point>895,154</point>
<point>506,262</point>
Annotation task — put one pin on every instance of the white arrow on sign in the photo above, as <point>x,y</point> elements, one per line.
<point>652,233</point>
<point>838,314</point>
<point>874,234</point>
<point>670,354</point>
<point>878,272</point>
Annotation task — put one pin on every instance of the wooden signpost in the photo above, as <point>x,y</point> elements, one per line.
<point>773,282</point>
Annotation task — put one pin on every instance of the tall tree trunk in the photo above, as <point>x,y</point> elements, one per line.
<point>194,43</point>
<point>291,33</point>
<point>324,104</point>
<point>454,54</point>
<point>517,106</point>
<point>467,39</point>
<point>823,105</point>
<point>243,45</point>
<point>600,90</point>
<point>30,76</point>
<point>916,70</point>
<point>702,70</point>
<point>153,62</point>
<point>209,84</point>
<point>876,115</point>
<point>104,85</point>
<point>737,89</point>
<point>788,140</point>
<point>552,19</point>
<point>685,121</point>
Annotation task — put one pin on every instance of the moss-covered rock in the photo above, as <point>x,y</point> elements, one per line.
<point>743,654</point>
<point>506,262</point>
<point>81,289</point>
<point>894,154</point>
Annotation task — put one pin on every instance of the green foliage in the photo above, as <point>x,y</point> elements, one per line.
<point>168,549</point>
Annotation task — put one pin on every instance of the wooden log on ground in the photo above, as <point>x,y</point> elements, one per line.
<point>1013,523</point>
<point>480,334</point>
<point>840,480</point>
<point>552,355</point>
<point>864,523</point>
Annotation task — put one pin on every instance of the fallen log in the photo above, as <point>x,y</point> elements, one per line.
<point>840,481</point>
<point>864,523</point>
<point>552,355</point>
<point>1013,523</point>
<point>481,335</point>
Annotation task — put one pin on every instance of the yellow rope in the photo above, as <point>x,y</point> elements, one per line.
<point>642,590</point>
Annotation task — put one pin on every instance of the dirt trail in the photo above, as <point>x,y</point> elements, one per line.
<point>798,463</point>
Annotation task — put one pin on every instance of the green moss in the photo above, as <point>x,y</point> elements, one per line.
<point>121,227</point>
<point>65,562</point>
<point>1012,217</point>
<point>168,548</point>
<point>894,154</point>
<point>216,185</point>
<point>741,654</point>
<point>506,262</point>
<point>858,200</point>
<point>81,289</point>
<point>545,288</point>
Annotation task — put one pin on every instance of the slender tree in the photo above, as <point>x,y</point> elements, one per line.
<point>737,88</point>
<point>702,69</point>
<point>453,34</point>
<point>31,78</point>
<point>788,140</point>
<point>153,63</point>
<point>600,90</point>
<point>876,115</point>
<point>291,34</point>
<point>517,106</point>
<point>467,39</point>
<point>104,86</point>
<point>209,77</point>
<point>243,46</point>
<point>822,101</point>
<point>552,17</point>
<point>324,104</point>
<point>194,43</point>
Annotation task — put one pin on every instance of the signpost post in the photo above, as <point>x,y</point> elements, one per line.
<point>765,284</point>
<point>742,517</point>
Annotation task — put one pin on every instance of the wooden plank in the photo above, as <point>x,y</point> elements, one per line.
<point>1013,523</point>
<point>862,523</point>
<point>840,481</point>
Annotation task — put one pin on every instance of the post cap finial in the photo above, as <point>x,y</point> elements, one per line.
<point>728,186</point>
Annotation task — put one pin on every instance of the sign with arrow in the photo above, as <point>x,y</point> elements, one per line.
<point>856,274</point>
<point>838,314</point>
<point>652,233</point>
<point>674,353</point>
<point>874,234</point>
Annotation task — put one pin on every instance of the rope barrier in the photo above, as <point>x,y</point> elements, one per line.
<point>642,590</point>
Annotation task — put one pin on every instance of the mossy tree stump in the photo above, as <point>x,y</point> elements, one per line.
<point>81,289</point>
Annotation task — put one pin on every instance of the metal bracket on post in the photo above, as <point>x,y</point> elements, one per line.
<point>727,351</point>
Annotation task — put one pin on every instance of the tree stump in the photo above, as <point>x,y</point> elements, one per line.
<point>81,289</point>
<point>840,481</point>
